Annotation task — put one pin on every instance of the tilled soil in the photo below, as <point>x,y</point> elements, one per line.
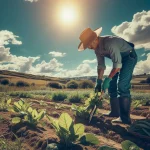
<point>108,133</point>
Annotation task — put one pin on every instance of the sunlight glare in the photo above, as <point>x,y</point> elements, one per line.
<point>68,15</point>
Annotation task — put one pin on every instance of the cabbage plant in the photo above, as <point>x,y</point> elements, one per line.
<point>32,116</point>
<point>70,133</point>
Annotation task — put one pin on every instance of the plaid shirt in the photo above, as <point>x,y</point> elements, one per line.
<point>114,48</point>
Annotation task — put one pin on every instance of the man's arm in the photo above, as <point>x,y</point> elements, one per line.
<point>100,73</point>
<point>113,72</point>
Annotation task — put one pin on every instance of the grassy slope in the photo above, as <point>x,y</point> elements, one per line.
<point>43,80</point>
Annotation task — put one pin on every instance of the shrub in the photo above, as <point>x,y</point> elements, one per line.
<point>76,98</point>
<point>11,84</point>
<point>143,81</point>
<point>148,80</point>
<point>22,84</point>
<point>86,84</point>
<point>32,84</point>
<point>54,85</point>
<point>72,84</point>
<point>59,96</point>
<point>5,81</point>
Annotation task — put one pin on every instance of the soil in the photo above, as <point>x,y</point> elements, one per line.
<point>108,133</point>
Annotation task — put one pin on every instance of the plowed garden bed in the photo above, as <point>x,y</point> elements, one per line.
<point>37,139</point>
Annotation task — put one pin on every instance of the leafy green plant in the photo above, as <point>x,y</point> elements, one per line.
<point>83,111</point>
<point>26,113</point>
<point>128,145</point>
<point>141,127</point>
<point>32,117</point>
<point>70,133</point>
<point>5,104</point>
<point>75,98</point>
<point>136,103</point>
<point>21,107</point>
<point>59,96</point>
<point>80,111</point>
<point>93,100</point>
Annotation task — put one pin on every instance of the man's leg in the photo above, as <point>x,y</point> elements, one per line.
<point>114,101</point>
<point>124,86</point>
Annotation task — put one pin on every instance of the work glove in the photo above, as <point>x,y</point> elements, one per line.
<point>105,84</point>
<point>98,85</point>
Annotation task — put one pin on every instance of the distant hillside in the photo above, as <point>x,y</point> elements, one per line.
<point>7,74</point>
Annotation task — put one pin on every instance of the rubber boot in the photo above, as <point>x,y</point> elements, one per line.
<point>124,103</point>
<point>114,104</point>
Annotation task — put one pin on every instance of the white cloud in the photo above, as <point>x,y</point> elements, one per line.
<point>13,62</point>
<point>143,66</point>
<point>27,65</point>
<point>136,31</point>
<point>7,37</point>
<point>52,66</point>
<point>31,0</point>
<point>57,54</point>
<point>90,61</point>
<point>5,54</point>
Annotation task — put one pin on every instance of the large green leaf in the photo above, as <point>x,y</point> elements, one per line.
<point>41,115</point>
<point>55,124</point>
<point>79,129</point>
<point>21,102</point>
<point>128,145</point>
<point>53,121</point>
<point>30,110</point>
<point>16,109</point>
<point>16,120</point>
<point>65,121</point>
<point>89,138</point>
<point>8,101</point>
<point>34,113</point>
<point>17,105</point>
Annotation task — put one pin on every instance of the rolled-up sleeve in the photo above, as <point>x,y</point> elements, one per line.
<point>101,62</point>
<point>113,47</point>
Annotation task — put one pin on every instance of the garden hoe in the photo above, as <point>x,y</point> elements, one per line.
<point>95,108</point>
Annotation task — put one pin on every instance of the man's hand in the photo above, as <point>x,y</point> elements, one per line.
<point>98,85</point>
<point>105,84</point>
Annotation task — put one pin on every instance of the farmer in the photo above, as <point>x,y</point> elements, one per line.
<point>124,59</point>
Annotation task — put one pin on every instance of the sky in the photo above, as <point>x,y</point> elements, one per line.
<point>41,37</point>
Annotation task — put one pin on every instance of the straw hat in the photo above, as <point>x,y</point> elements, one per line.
<point>87,37</point>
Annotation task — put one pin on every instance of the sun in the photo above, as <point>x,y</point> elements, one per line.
<point>68,15</point>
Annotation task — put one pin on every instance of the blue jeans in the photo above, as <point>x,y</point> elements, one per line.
<point>120,84</point>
